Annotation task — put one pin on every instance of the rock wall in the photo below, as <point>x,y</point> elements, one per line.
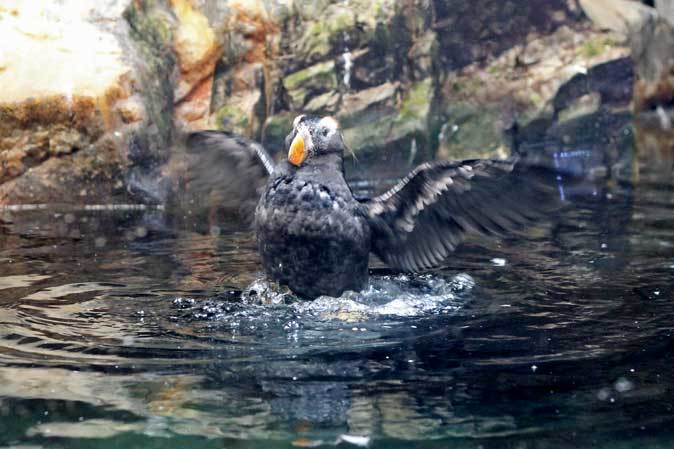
<point>650,33</point>
<point>653,54</point>
<point>67,94</point>
<point>95,97</point>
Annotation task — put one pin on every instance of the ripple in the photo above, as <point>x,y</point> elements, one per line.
<point>164,334</point>
<point>20,280</point>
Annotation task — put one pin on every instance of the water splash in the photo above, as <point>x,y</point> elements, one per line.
<point>443,134</point>
<point>413,151</point>
<point>347,57</point>
<point>264,303</point>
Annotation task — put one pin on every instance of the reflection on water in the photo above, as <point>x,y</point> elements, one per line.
<point>118,328</point>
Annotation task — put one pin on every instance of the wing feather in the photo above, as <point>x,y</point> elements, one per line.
<point>422,219</point>
<point>226,172</point>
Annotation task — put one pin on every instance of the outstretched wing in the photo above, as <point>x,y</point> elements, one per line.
<point>226,172</point>
<point>418,222</point>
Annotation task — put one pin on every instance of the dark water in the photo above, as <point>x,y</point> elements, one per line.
<point>118,331</point>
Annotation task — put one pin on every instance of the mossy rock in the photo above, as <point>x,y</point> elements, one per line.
<point>325,36</point>
<point>310,82</point>
<point>275,130</point>
<point>368,104</point>
<point>415,107</point>
<point>232,118</point>
<point>396,128</point>
<point>323,104</point>
<point>471,131</point>
<point>152,29</point>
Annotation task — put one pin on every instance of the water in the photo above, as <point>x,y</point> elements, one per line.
<point>120,330</point>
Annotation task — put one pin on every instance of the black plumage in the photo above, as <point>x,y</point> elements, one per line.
<point>315,237</point>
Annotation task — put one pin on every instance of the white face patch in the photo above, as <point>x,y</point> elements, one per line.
<point>297,120</point>
<point>330,124</point>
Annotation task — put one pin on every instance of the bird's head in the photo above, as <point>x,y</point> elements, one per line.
<point>312,138</point>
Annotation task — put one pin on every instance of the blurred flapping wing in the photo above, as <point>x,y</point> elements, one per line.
<point>227,171</point>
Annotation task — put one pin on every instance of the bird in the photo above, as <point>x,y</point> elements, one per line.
<point>315,236</point>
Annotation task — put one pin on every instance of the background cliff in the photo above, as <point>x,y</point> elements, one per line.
<point>95,99</point>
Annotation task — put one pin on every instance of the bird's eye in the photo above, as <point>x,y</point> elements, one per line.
<point>325,132</point>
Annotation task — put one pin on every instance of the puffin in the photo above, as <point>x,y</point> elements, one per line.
<point>316,237</point>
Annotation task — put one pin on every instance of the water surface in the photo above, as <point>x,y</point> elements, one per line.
<point>121,329</point>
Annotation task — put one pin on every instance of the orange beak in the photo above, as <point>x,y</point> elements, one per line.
<point>296,153</point>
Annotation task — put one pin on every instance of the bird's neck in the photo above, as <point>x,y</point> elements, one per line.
<point>327,163</point>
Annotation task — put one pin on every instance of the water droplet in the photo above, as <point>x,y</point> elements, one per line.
<point>354,439</point>
<point>499,262</point>
<point>348,66</point>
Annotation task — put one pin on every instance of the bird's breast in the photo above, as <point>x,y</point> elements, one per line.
<point>305,207</point>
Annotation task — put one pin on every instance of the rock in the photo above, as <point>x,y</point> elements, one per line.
<point>385,68</point>
<point>580,106</point>
<point>621,16</point>
<point>401,128</point>
<point>197,51</point>
<point>517,96</point>
<point>423,53</point>
<point>371,68</point>
<point>653,54</point>
<point>275,130</point>
<point>650,32</point>
<point>321,38</point>
<point>481,30</point>
<point>60,105</point>
<point>238,101</point>
<point>665,9</point>
<point>91,175</point>
<point>247,86</point>
<point>148,34</point>
<point>471,132</point>
<point>610,82</point>
<point>368,104</point>
<point>310,82</point>
<point>326,29</point>
<point>325,104</point>
<point>655,142</point>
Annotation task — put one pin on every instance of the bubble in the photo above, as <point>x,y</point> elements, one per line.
<point>141,232</point>
<point>603,394</point>
<point>623,385</point>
